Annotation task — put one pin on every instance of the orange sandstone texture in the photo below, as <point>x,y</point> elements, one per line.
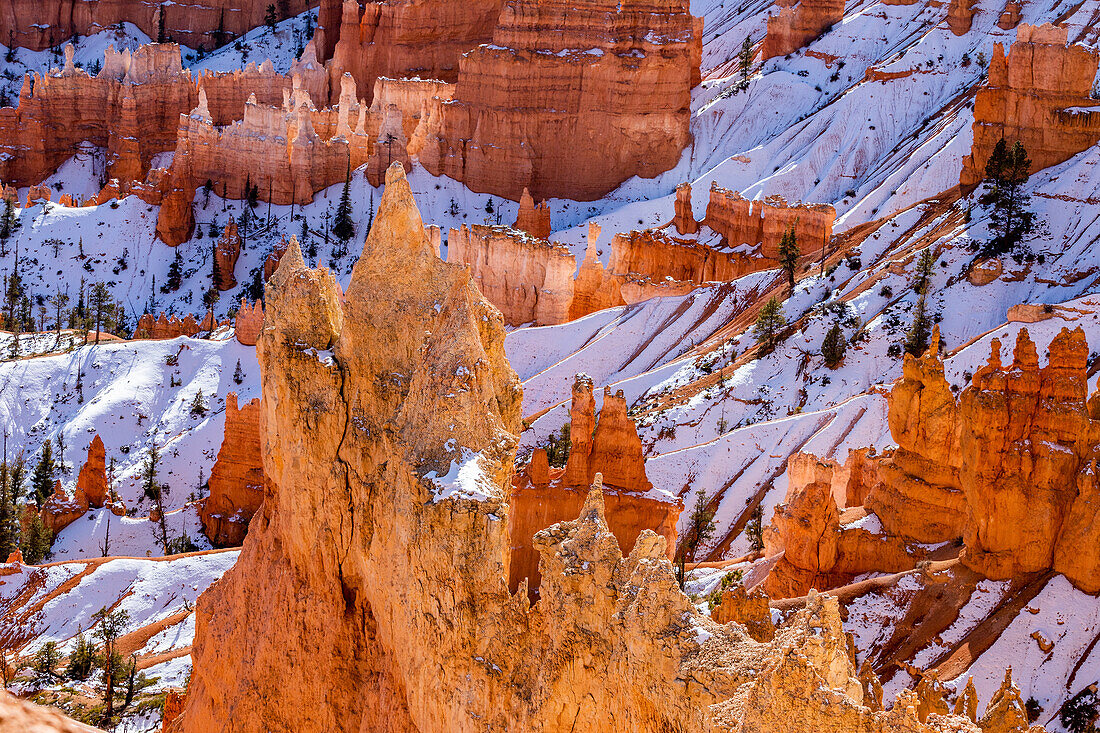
<point>544,107</point>
<point>132,108</point>
<point>18,716</point>
<point>819,549</point>
<point>42,25</point>
<point>798,23</point>
<point>165,327</point>
<point>407,38</point>
<point>60,510</point>
<point>92,480</point>
<point>226,251</point>
<point>249,322</point>
<point>1040,95</point>
<point>371,591</point>
<point>535,220</point>
<point>542,496</point>
<point>237,479</point>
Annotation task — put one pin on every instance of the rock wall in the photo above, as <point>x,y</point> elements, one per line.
<point>249,322</point>
<point>1040,95</point>
<point>798,23</point>
<point>763,223</point>
<point>92,480</point>
<point>60,510</point>
<point>919,495</point>
<point>370,593</point>
<point>226,251</point>
<point>37,26</point>
<point>288,153</point>
<point>18,716</point>
<point>131,107</point>
<point>529,280</point>
<point>410,38</point>
<point>610,447</point>
<point>165,327</point>
<point>237,478</point>
<point>545,107</point>
<point>535,220</point>
<point>821,548</point>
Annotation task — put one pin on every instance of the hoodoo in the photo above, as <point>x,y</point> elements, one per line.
<point>380,555</point>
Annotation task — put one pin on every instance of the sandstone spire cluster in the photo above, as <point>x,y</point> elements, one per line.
<point>1040,95</point>
<point>381,551</point>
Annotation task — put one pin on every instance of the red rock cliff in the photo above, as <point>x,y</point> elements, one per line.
<point>544,107</point>
<point>798,23</point>
<point>42,25</point>
<point>237,478</point>
<point>92,480</point>
<point>1040,95</point>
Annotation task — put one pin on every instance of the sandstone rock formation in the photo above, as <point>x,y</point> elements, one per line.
<point>798,23</point>
<point>249,322</point>
<point>60,510</point>
<point>226,251</point>
<point>543,107</point>
<point>610,447</point>
<point>92,480</point>
<point>421,38</point>
<point>271,262</point>
<point>919,495</point>
<point>751,610</point>
<point>131,108</point>
<point>1040,95</point>
<point>960,16</point>
<point>18,716</point>
<point>535,220</point>
<point>39,26</point>
<point>529,280</point>
<point>820,548</point>
<point>165,327</point>
<point>379,558</point>
<point>237,478</point>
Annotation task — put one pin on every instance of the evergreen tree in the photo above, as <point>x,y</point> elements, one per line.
<point>175,273</point>
<point>100,302</point>
<point>926,265</point>
<point>768,325</point>
<point>36,544</point>
<point>238,374</point>
<point>699,529</point>
<point>1011,221</point>
<point>744,61</point>
<point>156,491</point>
<point>342,225</point>
<point>46,661</point>
<point>215,269</point>
<point>43,476</point>
<point>788,256</point>
<point>198,405</point>
<point>59,454</point>
<point>833,347</point>
<point>916,340</point>
<point>162,36</point>
<point>7,222</point>
<point>270,18</point>
<point>754,530</point>
<point>108,627</point>
<point>82,659</point>
<point>9,512</point>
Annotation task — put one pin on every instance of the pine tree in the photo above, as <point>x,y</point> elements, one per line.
<point>156,491</point>
<point>198,405</point>
<point>768,325</point>
<point>1011,221</point>
<point>43,476</point>
<point>926,265</point>
<point>9,512</point>
<point>100,302</point>
<point>699,529</point>
<point>108,627</point>
<point>175,273</point>
<point>744,61</point>
<point>81,660</point>
<point>59,454</point>
<point>46,661</point>
<point>754,530</point>
<point>270,18</point>
<point>7,222</point>
<point>162,35</point>
<point>238,374</point>
<point>788,255</point>
<point>342,226</point>
<point>36,544</point>
<point>916,340</point>
<point>833,347</point>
